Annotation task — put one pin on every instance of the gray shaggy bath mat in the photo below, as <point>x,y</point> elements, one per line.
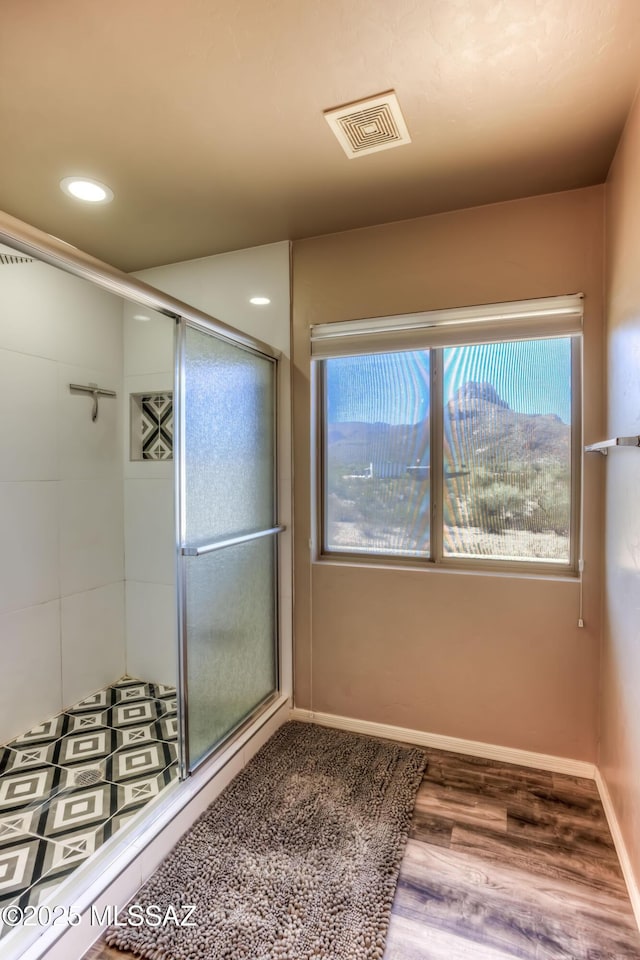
<point>297,859</point>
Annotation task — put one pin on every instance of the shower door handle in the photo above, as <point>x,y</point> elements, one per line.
<point>221,544</point>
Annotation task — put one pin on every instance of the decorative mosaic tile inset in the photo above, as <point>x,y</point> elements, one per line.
<point>157,426</point>
<point>67,785</point>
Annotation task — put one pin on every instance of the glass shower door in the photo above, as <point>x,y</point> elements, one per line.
<point>228,535</point>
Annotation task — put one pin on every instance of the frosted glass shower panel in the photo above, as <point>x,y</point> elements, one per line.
<point>229,432</point>
<point>230,596</point>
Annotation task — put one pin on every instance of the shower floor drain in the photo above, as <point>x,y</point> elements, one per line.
<point>86,778</point>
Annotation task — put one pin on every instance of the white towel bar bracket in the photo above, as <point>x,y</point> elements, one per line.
<point>604,445</point>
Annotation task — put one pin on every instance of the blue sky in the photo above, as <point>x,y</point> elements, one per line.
<point>533,376</point>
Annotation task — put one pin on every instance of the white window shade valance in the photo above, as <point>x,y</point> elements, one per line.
<point>517,320</point>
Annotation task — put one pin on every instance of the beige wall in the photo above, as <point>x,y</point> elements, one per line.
<point>490,658</point>
<point>620,718</point>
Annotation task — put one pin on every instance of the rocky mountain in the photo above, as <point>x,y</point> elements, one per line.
<point>471,400</point>
<point>482,427</point>
<point>479,428</point>
<point>354,444</point>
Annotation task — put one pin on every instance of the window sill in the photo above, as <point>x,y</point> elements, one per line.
<point>503,571</point>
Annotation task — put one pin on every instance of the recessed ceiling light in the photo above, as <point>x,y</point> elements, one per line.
<point>260,301</point>
<point>141,316</point>
<point>91,191</point>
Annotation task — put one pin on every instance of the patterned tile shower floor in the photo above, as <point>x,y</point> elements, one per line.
<point>67,785</point>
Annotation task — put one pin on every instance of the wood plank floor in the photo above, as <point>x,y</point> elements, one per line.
<point>504,862</point>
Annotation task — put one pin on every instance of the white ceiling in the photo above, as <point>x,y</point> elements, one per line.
<point>206,119</point>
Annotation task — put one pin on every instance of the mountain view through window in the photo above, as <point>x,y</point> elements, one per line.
<point>506,452</point>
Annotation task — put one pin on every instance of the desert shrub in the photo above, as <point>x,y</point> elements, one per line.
<point>535,498</point>
<point>496,506</point>
<point>554,508</point>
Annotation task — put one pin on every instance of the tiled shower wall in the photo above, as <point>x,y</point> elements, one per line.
<point>61,498</point>
<point>149,518</point>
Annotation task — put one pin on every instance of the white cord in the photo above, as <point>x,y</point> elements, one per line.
<point>580,602</point>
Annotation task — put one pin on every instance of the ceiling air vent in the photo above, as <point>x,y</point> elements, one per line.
<point>367,126</point>
<point>8,256</point>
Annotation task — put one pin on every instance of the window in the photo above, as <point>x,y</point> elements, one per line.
<point>376,455</point>
<point>464,454</point>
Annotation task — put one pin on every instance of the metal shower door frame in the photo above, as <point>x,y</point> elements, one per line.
<point>185,550</point>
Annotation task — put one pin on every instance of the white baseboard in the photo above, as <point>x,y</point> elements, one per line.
<point>473,748</point>
<point>621,849</point>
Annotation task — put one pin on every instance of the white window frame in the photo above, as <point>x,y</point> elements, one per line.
<point>550,317</point>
